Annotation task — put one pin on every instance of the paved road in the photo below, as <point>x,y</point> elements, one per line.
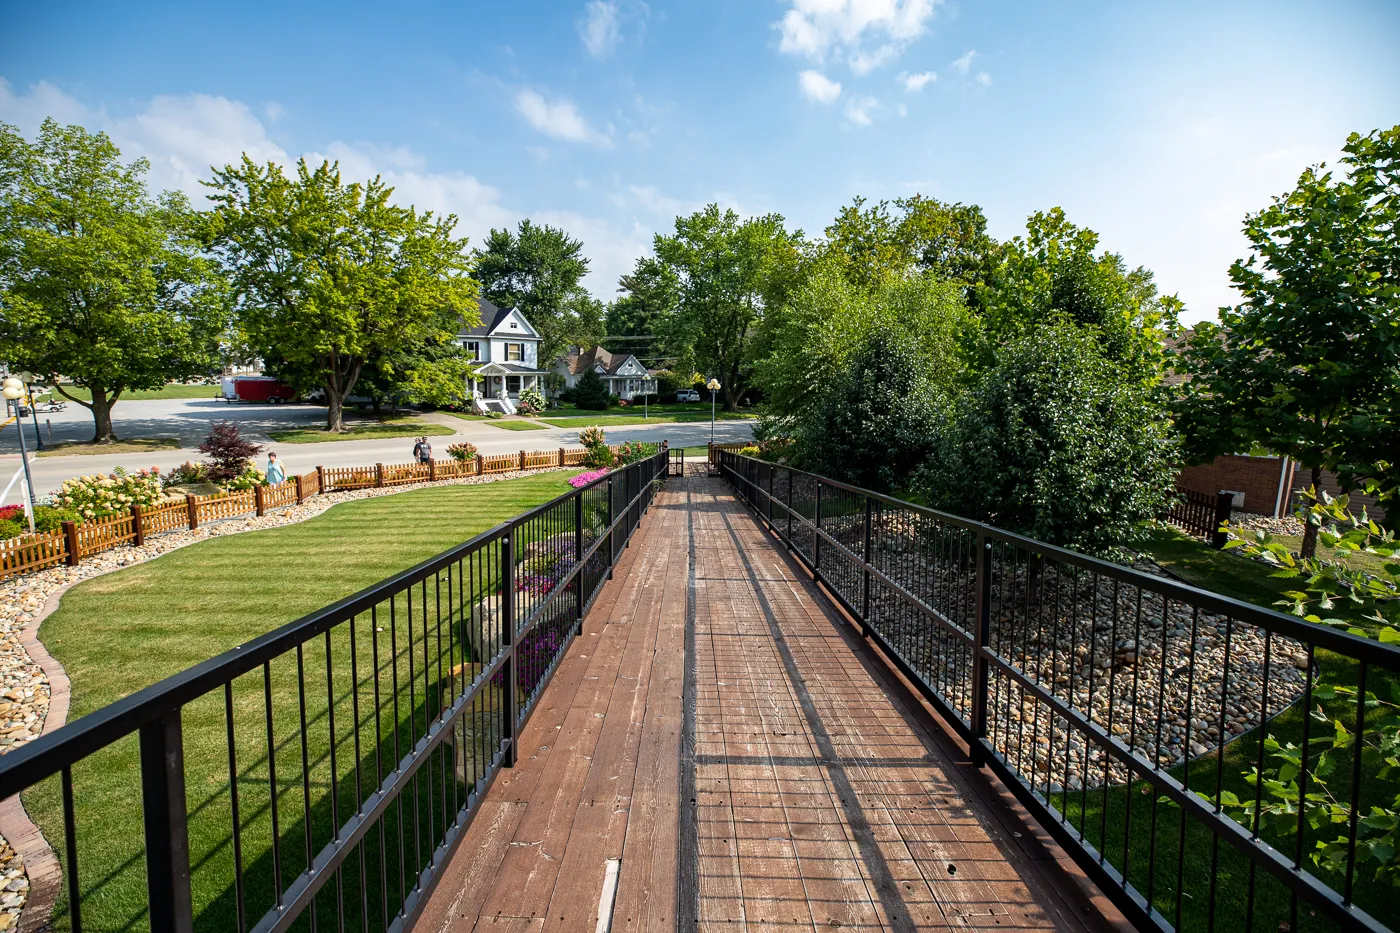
<point>189,420</point>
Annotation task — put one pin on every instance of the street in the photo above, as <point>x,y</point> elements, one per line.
<point>189,420</point>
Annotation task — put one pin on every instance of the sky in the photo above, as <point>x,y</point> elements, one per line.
<point>1159,125</point>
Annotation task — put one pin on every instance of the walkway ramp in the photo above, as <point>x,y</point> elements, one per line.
<point>720,751</point>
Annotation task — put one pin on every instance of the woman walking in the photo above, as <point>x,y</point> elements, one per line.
<point>275,473</point>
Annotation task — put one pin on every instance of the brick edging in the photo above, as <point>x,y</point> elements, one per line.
<point>40,862</point>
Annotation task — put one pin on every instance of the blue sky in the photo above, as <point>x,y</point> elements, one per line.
<point>1159,125</point>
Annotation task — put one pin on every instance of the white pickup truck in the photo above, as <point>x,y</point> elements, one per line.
<point>688,395</point>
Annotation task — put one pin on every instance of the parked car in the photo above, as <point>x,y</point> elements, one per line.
<point>688,395</point>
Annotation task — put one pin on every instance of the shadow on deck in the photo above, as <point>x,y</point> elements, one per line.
<point>720,750</point>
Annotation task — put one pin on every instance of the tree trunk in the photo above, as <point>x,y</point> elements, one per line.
<point>102,416</point>
<point>335,402</point>
<point>1309,546</point>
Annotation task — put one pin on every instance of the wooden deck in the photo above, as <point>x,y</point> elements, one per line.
<point>824,796</point>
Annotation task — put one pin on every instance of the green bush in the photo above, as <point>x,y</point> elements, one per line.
<point>95,495</point>
<point>10,528</point>
<point>598,457</point>
<point>1056,443</point>
<point>874,424</point>
<point>632,451</point>
<point>591,392</point>
<point>47,518</point>
<point>531,402</point>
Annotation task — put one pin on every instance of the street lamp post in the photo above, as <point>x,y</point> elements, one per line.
<point>28,379</point>
<point>13,390</point>
<point>714,386</point>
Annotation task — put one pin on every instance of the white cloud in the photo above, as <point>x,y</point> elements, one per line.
<point>916,82</point>
<point>858,110</point>
<point>599,28</point>
<point>963,63</point>
<point>274,111</point>
<point>983,78</point>
<point>818,87</point>
<point>558,118</point>
<point>902,110</point>
<point>867,33</point>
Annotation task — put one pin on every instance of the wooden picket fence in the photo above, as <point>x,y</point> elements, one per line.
<point>75,541</point>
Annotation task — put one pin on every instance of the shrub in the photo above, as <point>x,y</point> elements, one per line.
<point>749,451</point>
<point>531,402</point>
<point>632,451</point>
<point>874,423</point>
<point>187,472</point>
<point>47,518</point>
<point>462,452</point>
<point>229,455</point>
<point>1056,443</point>
<point>11,528</point>
<point>599,456</point>
<point>495,414</point>
<point>249,478</point>
<point>592,436</point>
<point>775,449</point>
<point>591,392</point>
<point>94,496</point>
<point>12,513</point>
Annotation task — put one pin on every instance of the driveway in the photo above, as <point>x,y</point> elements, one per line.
<point>189,420</point>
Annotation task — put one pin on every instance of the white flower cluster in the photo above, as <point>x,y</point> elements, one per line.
<point>95,495</point>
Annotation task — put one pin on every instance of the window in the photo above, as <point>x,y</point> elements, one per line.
<point>515,352</point>
<point>513,385</point>
<point>474,348</point>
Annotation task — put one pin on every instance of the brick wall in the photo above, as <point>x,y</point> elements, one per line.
<point>1257,477</point>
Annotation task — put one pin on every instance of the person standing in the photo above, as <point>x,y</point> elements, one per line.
<point>275,473</point>
<point>424,450</point>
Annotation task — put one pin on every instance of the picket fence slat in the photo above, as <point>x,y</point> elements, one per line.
<point>32,552</point>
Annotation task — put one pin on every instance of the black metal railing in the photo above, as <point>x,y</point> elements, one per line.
<point>320,775</point>
<point>1124,709</point>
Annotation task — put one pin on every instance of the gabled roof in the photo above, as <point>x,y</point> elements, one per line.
<point>580,361</point>
<point>492,319</point>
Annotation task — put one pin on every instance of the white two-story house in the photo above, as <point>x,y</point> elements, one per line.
<point>508,351</point>
<point>624,373</point>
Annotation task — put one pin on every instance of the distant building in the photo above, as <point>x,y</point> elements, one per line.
<point>508,349</point>
<point>624,374</point>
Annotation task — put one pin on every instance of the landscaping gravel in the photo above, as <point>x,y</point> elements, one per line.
<point>24,690</point>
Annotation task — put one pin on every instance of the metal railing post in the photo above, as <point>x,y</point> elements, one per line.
<point>865,556</point>
<point>612,556</point>
<point>167,833</point>
<point>789,508</point>
<point>578,554</point>
<point>512,673</point>
<point>1224,505</point>
<point>982,639</point>
<point>817,536</point>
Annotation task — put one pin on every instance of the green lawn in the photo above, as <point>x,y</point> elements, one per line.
<point>1154,827</point>
<point>118,633</point>
<point>505,425</point>
<point>135,445</point>
<point>357,431</point>
<point>175,390</point>
<point>618,419</point>
<point>465,415</point>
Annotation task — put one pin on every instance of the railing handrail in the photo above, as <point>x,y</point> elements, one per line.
<point>1334,639</point>
<point>46,755</point>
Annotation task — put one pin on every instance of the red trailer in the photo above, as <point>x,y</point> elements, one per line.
<point>255,389</point>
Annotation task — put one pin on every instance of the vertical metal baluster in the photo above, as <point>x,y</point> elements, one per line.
<point>305,773</point>
<point>413,736</point>
<point>398,755</point>
<point>359,781</point>
<point>1302,787</point>
<point>70,845</point>
<point>981,666</point>
<point>166,830</point>
<point>1357,745</point>
<point>1186,764</point>
<point>272,781</point>
<point>335,786</point>
<point>1108,726</point>
<point>1157,753</point>
<point>379,763</point>
<point>508,630</point>
<point>1219,768</point>
<point>1259,779</point>
<point>233,809</point>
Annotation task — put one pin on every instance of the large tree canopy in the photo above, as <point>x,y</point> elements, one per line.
<point>329,275</point>
<point>99,282</point>
<point>946,241</point>
<point>730,271</point>
<point>539,270</point>
<point>1309,363</point>
<point>640,318</point>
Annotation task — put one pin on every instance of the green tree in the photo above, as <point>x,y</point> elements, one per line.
<point>330,275</point>
<point>730,271</point>
<point>591,392</point>
<point>875,420</point>
<point>539,270</point>
<point>1308,364</point>
<point>946,241</point>
<point>640,317</point>
<point>1054,275</point>
<point>814,335</point>
<point>98,281</point>
<point>1055,443</point>
<point>434,372</point>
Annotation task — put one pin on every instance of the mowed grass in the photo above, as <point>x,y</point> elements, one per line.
<point>118,633</point>
<point>625,420</point>
<point>1214,880</point>
<point>518,426</point>
<point>172,391</point>
<point>358,431</point>
<point>135,445</point>
<point>465,415</point>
